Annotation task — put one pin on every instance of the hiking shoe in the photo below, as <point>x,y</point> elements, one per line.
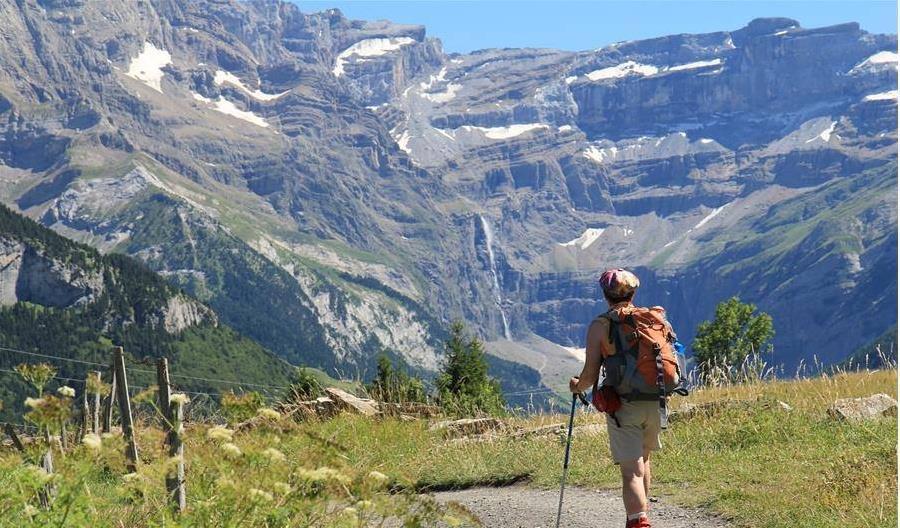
<point>643,522</point>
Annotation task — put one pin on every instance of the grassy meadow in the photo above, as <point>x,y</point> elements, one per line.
<point>759,465</point>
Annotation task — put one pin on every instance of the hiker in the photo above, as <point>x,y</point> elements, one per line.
<point>640,372</point>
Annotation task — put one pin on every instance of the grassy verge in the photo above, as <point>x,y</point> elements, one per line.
<point>760,466</point>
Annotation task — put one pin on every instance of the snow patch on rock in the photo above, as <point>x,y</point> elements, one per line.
<point>228,108</point>
<point>714,213</point>
<point>506,132</point>
<point>223,77</point>
<point>584,241</point>
<point>147,66</point>
<point>623,70</point>
<point>367,48</point>
<point>403,142</point>
<point>599,155</point>
<point>883,96</point>
<point>694,65</point>
<point>442,97</point>
<point>824,135</point>
<point>878,61</point>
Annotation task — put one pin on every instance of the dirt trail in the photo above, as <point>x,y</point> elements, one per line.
<point>523,507</point>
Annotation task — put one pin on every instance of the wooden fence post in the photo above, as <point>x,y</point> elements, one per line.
<point>131,449</point>
<point>173,425</point>
<point>95,412</point>
<point>175,479</point>
<point>63,437</point>
<point>163,392</point>
<point>110,400</point>
<point>85,412</point>
<point>45,496</point>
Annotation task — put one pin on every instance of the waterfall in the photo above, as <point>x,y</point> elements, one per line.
<point>489,243</point>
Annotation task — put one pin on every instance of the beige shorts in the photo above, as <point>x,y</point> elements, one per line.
<point>639,430</point>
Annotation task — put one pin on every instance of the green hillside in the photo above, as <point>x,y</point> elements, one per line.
<point>129,311</point>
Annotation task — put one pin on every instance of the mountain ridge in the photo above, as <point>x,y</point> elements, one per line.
<point>456,180</point>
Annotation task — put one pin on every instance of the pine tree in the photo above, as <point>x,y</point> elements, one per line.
<point>463,385</point>
<point>394,384</point>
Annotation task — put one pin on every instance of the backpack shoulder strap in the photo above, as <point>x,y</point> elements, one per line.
<point>614,319</point>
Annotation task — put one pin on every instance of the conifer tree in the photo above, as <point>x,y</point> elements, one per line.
<point>463,385</point>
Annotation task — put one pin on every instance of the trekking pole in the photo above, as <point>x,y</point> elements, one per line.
<point>562,486</point>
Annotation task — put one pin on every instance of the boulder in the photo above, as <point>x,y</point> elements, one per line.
<point>348,402</point>
<point>862,409</point>
<point>467,426</point>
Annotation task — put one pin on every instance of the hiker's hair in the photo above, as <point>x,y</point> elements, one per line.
<point>614,300</point>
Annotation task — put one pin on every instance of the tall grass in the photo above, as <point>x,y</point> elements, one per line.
<point>757,464</point>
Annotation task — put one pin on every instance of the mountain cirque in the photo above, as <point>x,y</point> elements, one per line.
<point>334,187</point>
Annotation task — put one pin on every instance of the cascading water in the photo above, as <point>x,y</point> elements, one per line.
<point>489,244</point>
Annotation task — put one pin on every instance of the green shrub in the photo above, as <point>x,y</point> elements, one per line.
<point>240,407</point>
<point>463,385</point>
<point>733,342</point>
<point>394,384</point>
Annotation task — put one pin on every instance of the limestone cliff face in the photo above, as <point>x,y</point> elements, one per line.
<point>29,275</point>
<point>182,312</point>
<point>376,188</point>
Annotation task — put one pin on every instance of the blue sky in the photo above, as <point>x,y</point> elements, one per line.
<point>466,25</point>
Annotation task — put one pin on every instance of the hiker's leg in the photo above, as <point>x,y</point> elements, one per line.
<point>633,494</point>
<point>647,474</point>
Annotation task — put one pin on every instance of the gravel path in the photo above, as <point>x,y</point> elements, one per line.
<point>523,507</point>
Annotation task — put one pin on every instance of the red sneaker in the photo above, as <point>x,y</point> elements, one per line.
<point>643,522</point>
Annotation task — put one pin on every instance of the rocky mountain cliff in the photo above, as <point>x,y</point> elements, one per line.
<point>334,187</point>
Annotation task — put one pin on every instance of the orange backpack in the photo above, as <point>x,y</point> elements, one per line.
<point>644,364</point>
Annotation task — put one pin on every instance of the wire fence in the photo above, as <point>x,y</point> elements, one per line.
<point>223,383</point>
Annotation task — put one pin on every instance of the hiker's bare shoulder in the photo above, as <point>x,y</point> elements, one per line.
<point>600,326</point>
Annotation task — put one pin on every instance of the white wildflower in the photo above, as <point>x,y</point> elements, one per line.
<point>92,441</point>
<point>231,449</point>
<point>274,455</point>
<point>66,391</point>
<point>217,432</point>
<point>179,398</point>
<point>282,488</point>
<point>334,475</point>
<point>224,482</point>
<point>30,511</point>
<point>269,414</point>
<point>378,478</point>
<point>261,495</point>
